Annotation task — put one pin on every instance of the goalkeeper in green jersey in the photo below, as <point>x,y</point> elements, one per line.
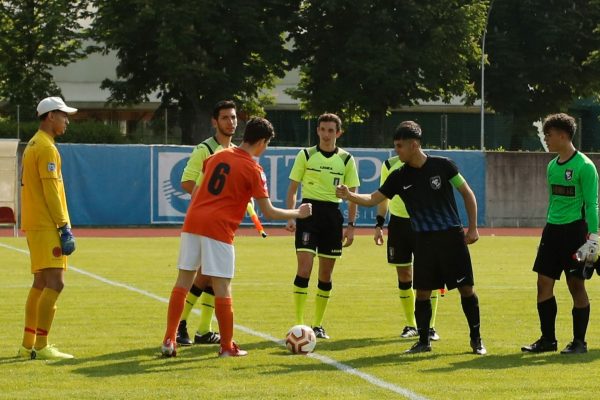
<point>569,241</point>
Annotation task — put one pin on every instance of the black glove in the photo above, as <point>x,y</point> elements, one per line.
<point>588,270</point>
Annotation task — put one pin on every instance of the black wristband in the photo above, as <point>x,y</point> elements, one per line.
<point>380,221</point>
<point>351,223</point>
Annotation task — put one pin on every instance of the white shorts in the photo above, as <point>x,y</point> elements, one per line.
<point>216,258</point>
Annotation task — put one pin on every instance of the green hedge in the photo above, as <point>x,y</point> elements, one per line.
<point>77,132</point>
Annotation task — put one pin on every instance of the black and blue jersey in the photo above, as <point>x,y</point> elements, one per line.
<point>428,193</point>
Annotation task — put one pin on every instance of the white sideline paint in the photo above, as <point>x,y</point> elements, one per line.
<point>324,359</point>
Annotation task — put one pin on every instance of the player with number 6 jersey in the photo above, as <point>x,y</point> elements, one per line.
<point>231,178</point>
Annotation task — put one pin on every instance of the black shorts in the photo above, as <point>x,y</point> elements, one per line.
<point>557,246</point>
<point>401,241</point>
<point>442,259</point>
<point>322,232</point>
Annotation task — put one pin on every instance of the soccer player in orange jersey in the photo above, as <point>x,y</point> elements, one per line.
<point>231,178</point>
<point>224,121</point>
<point>45,219</point>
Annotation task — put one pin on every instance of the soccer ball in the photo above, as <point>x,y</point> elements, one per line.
<point>300,339</point>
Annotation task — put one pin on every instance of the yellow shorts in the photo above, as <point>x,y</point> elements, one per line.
<point>45,251</point>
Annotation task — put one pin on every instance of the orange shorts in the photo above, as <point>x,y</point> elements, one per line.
<point>45,251</point>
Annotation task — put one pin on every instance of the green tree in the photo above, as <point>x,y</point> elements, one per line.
<point>195,52</point>
<point>362,58</point>
<point>540,56</point>
<point>36,35</point>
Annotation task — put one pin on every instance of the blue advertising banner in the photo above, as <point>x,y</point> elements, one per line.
<point>140,185</point>
<point>169,200</point>
<point>106,184</point>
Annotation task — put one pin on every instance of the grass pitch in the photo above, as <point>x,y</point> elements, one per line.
<point>112,313</point>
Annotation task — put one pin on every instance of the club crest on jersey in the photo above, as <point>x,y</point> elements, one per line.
<point>435,182</point>
<point>56,252</point>
<point>569,174</point>
<point>51,167</point>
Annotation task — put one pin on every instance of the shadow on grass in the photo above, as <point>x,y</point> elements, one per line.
<point>517,360</point>
<point>13,360</point>
<point>149,360</point>
<point>357,343</point>
<point>395,357</point>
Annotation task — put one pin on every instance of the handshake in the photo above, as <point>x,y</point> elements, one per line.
<point>588,255</point>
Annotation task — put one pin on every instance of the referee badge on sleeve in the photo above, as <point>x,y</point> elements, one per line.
<point>51,167</point>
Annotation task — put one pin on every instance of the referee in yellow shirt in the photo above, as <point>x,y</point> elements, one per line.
<point>45,220</point>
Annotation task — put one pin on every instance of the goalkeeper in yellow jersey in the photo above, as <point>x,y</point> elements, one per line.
<point>569,241</point>
<point>400,248</point>
<point>45,220</point>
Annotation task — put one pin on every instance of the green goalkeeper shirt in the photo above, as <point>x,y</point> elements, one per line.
<point>573,191</point>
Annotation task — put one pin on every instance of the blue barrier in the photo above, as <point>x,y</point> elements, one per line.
<point>140,185</point>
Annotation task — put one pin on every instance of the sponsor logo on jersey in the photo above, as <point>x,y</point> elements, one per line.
<point>560,190</point>
<point>51,167</point>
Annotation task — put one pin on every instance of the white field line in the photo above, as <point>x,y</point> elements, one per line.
<point>324,359</point>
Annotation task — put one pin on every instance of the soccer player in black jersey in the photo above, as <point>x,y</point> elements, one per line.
<point>570,237</point>
<point>426,185</point>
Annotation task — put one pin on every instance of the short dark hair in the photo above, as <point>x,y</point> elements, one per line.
<point>258,128</point>
<point>222,105</point>
<point>44,116</point>
<point>408,130</point>
<point>330,117</point>
<point>560,121</point>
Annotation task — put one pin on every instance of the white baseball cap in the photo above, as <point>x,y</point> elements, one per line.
<point>54,103</point>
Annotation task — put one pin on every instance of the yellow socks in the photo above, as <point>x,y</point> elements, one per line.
<point>45,316</point>
<point>31,312</point>
<point>300,296</point>
<point>407,301</point>
<point>321,302</point>
<point>190,302</point>
<point>207,310</point>
<point>435,295</point>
